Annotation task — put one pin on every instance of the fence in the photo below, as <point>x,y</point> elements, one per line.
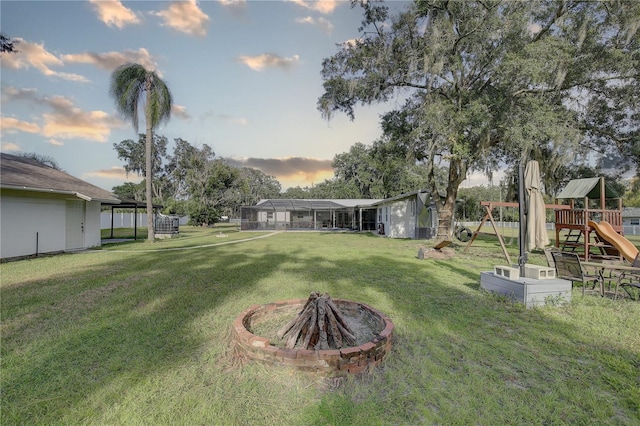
<point>626,229</point>
<point>127,220</point>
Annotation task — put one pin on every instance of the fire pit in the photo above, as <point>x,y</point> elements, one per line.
<point>266,332</point>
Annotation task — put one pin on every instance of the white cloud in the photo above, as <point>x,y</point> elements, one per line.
<point>10,94</point>
<point>11,125</point>
<point>236,7</point>
<point>63,121</point>
<point>111,60</point>
<point>180,111</point>
<point>69,122</point>
<point>34,55</point>
<point>9,146</point>
<point>269,60</point>
<point>289,171</point>
<point>351,42</point>
<point>114,173</point>
<point>114,14</point>
<point>322,6</point>
<point>186,17</point>
<point>322,23</point>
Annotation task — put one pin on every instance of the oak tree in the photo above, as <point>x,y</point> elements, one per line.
<point>492,82</point>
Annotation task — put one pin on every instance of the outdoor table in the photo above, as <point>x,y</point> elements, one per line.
<point>621,269</point>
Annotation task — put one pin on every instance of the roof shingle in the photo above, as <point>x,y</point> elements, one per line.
<point>28,175</point>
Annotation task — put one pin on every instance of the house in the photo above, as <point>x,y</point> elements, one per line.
<point>631,220</point>
<point>307,214</point>
<point>44,210</point>
<point>631,216</point>
<point>410,215</point>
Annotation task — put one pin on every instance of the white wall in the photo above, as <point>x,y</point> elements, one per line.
<point>403,220</point>
<point>92,236</point>
<point>35,223</point>
<point>399,218</point>
<point>31,223</point>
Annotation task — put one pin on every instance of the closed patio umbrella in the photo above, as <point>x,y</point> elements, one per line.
<point>536,235</point>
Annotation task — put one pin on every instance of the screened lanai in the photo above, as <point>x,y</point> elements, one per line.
<point>306,214</point>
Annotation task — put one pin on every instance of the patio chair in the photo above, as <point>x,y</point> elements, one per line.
<point>548,254</point>
<point>628,280</point>
<point>569,267</point>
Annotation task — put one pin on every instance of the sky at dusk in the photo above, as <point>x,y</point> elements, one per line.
<point>244,75</point>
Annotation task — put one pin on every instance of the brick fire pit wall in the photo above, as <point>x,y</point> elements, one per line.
<point>334,362</point>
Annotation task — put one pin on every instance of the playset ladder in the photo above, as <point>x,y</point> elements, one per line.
<point>572,240</point>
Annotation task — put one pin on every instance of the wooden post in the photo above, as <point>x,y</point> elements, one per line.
<point>489,216</point>
<point>602,194</point>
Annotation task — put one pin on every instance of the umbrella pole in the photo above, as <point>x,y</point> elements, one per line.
<point>522,258</point>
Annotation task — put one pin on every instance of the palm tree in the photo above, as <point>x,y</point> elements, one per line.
<point>131,83</point>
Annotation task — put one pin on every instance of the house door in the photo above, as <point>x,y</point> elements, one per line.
<point>74,225</point>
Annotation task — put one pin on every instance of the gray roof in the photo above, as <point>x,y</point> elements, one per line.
<point>329,204</point>
<point>309,204</point>
<point>25,174</point>
<point>589,187</point>
<point>400,197</point>
<point>628,212</point>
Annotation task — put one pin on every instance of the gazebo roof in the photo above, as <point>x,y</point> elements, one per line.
<point>130,204</point>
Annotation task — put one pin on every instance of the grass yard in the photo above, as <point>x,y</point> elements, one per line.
<point>140,334</point>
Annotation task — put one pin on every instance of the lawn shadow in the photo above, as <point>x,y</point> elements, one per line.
<point>121,318</point>
<point>112,324</point>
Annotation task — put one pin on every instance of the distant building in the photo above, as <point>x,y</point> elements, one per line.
<point>411,215</point>
<point>631,220</point>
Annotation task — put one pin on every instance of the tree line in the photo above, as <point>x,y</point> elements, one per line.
<point>193,181</point>
<point>486,84</point>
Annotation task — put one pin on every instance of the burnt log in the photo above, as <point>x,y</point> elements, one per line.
<point>318,326</point>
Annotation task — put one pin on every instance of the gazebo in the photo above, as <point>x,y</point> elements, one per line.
<point>130,204</point>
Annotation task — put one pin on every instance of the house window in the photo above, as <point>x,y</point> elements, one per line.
<point>269,215</point>
<point>300,215</point>
<point>635,222</point>
<point>412,207</point>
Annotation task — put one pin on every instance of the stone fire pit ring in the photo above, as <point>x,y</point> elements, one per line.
<point>333,362</point>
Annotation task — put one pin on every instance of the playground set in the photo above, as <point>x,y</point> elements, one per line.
<point>589,225</point>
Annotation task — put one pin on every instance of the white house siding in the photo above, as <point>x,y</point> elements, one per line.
<point>402,219</point>
<point>92,237</point>
<point>31,225</point>
<point>35,223</point>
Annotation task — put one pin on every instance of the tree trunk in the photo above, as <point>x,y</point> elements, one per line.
<point>151,234</point>
<point>447,206</point>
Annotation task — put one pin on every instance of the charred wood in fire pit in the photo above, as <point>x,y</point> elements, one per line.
<point>319,326</point>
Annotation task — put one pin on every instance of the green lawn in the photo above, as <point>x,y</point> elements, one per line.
<point>139,333</point>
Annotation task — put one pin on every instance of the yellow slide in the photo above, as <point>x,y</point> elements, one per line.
<point>606,233</point>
